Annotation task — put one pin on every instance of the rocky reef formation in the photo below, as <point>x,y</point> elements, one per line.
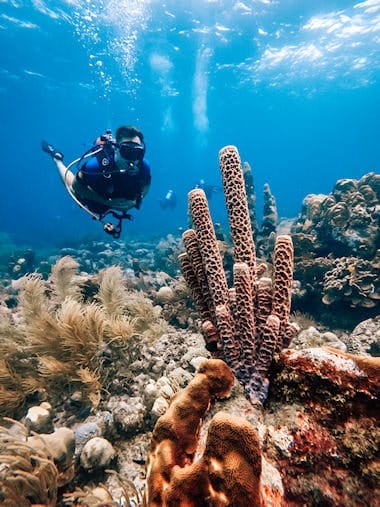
<point>345,222</point>
<point>320,415</point>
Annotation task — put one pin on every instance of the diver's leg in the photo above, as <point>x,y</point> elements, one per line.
<point>66,175</point>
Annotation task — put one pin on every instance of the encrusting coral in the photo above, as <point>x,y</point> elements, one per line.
<point>323,430</point>
<point>247,324</point>
<point>228,473</point>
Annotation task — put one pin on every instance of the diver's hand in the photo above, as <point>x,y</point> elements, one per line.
<point>50,150</point>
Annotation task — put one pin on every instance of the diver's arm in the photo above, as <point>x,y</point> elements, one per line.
<point>146,179</point>
<point>84,191</point>
<point>145,189</point>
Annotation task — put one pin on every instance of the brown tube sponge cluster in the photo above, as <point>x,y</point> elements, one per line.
<point>247,323</point>
<point>228,472</point>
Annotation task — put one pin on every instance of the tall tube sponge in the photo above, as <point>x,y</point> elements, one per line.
<point>248,322</point>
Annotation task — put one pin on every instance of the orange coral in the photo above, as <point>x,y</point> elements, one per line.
<point>229,471</point>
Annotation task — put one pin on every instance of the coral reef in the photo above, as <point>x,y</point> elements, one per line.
<point>251,197</point>
<point>365,338</point>
<point>312,337</point>
<point>320,416</point>
<point>15,260</point>
<point>354,280</point>
<point>269,225</point>
<point>264,236</point>
<point>346,221</point>
<point>100,382</point>
<point>247,324</point>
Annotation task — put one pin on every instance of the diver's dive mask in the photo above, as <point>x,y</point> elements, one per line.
<point>132,151</point>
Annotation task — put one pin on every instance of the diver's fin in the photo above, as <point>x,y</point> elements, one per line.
<point>50,150</point>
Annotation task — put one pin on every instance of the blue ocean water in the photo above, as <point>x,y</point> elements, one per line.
<point>293,84</point>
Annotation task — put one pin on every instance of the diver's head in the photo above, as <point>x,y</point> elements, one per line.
<point>128,132</point>
<point>130,149</point>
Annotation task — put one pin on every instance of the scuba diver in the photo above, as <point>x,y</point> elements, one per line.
<point>169,201</point>
<point>209,190</point>
<point>111,177</point>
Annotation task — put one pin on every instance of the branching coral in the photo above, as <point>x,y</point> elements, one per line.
<point>228,473</point>
<point>248,323</point>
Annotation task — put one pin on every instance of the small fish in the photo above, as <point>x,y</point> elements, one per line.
<point>140,461</point>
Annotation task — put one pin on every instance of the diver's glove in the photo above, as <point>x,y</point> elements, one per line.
<point>50,150</point>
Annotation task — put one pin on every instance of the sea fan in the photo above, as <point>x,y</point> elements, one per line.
<point>81,330</point>
<point>90,380</point>
<point>13,386</point>
<point>146,315</point>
